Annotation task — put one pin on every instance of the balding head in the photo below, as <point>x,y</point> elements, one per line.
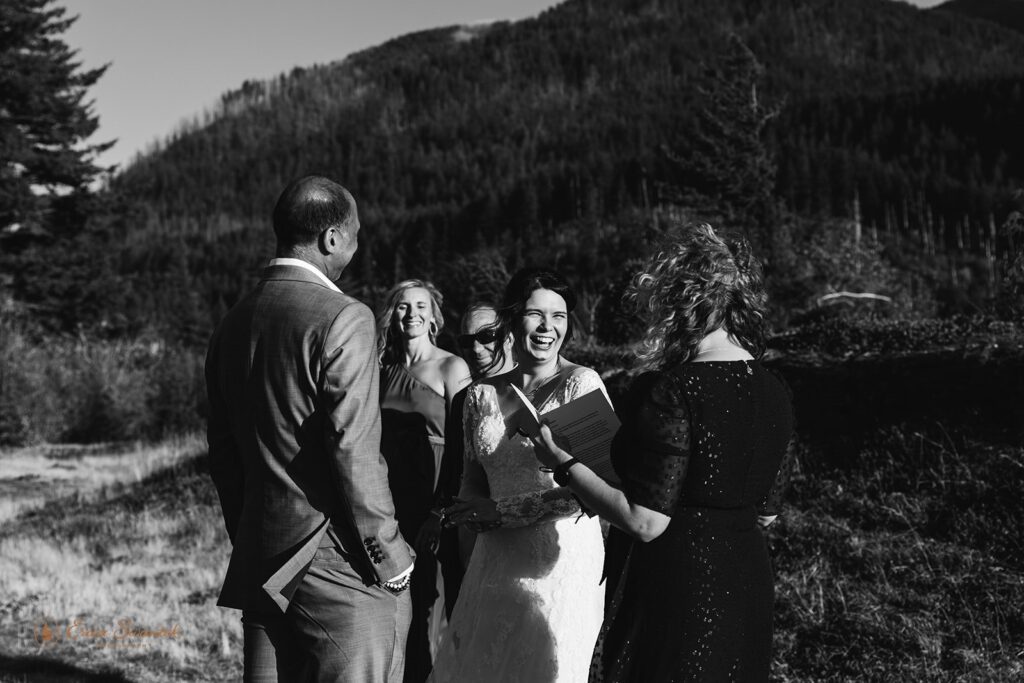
<point>308,207</point>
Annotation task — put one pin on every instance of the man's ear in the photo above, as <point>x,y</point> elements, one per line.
<point>329,241</point>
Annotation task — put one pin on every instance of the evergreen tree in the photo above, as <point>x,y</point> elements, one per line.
<point>726,158</point>
<point>44,116</point>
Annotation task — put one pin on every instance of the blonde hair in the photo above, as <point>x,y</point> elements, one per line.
<point>387,348</point>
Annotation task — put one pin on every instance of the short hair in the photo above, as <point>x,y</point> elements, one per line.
<point>524,283</point>
<point>696,283</point>
<point>309,206</point>
<point>387,349</point>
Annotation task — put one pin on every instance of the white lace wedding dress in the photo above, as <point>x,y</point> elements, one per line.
<point>531,602</point>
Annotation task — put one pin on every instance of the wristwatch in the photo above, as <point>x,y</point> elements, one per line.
<point>561,473</point>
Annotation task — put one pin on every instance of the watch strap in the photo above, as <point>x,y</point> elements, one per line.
<point>561,473</point>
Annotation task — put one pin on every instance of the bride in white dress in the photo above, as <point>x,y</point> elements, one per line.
<point>531,602</point>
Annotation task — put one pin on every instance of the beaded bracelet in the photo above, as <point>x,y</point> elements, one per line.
<point>398,586</point>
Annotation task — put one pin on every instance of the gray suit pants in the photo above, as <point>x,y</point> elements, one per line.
<point>336,629</point>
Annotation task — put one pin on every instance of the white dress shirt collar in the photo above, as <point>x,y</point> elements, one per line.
<point>299,263</point>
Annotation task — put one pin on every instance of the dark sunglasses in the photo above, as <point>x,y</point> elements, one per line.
<point>465,341</point>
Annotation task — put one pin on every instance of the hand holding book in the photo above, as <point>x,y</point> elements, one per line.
<point>582,428</point>
<point>548,450</point>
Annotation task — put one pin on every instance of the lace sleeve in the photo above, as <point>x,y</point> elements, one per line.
<point>583,381</point>
<point>537,507</point>
<point>474,479</point>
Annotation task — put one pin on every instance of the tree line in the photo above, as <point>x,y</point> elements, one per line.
<point>567,139</point>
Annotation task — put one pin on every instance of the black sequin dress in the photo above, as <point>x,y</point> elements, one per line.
<point>705,443</point>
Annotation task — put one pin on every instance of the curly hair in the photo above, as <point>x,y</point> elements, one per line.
<point>513,303</point>
<point>388,350</point>
<point>696,283</point>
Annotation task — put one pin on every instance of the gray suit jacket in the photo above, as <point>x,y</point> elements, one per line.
<point>294,435</point>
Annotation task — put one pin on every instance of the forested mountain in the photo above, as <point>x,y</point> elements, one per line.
<point>1009,13</point>
<point>553,140</point>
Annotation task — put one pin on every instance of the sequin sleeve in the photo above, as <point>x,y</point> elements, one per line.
<point>772,503</point>
<point>656,443</point>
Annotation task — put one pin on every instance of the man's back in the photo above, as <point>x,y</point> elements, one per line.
<point>317,564</point>
<point>293,390</point>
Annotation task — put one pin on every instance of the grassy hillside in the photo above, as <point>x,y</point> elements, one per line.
<point>449,130</point>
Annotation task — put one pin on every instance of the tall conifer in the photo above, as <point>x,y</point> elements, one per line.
<point>45,119</point>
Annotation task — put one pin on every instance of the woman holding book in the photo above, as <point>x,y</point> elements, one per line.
<point>704,437</point>
<point>531,601</point>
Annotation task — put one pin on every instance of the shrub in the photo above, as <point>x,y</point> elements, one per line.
<point>177,396</point>
<point>55,389</point>
<point>903,561</point>
<point>842,336</point>
<point>615,320</point>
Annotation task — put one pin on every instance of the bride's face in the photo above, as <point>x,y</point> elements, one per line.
<point>542,326</point>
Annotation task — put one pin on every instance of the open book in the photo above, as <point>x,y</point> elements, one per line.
<point>588,423</point>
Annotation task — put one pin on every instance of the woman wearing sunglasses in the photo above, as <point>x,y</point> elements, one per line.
<point>478,342</point>
<point>479,345</point>
<point>417,384</point>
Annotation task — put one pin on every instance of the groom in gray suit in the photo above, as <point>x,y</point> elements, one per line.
<point>318,566</point>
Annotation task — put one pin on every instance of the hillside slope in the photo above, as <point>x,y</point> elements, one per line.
<point>1008,13</point>
<point>459,140</point>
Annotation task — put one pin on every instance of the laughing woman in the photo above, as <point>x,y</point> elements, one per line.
<point>417,384</point>
<point>531,601</point>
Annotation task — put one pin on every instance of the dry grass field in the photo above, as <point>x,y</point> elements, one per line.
<point>110,559</point>
<point>903,561</point>
<point>899,560</point>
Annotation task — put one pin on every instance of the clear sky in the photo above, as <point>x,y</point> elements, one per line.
<point>171,59</point>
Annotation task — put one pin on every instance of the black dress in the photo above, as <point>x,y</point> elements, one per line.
<point>705,443</point>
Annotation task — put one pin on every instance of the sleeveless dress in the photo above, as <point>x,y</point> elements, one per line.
<point>706,444</point>
<point>531,602</point>
<point>412,443</point>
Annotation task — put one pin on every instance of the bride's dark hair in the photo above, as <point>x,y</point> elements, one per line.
<point>696,283</point>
